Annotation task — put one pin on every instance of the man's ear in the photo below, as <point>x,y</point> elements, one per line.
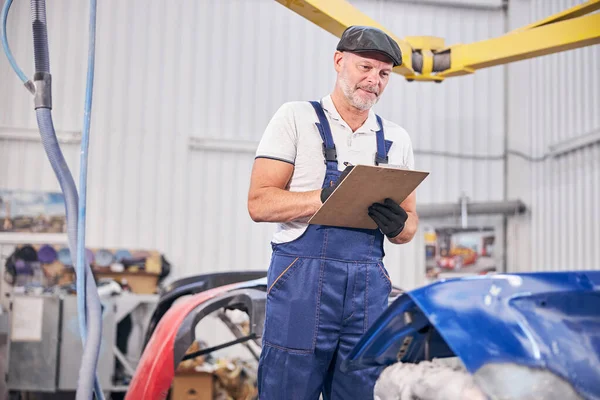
<point>338,59</point>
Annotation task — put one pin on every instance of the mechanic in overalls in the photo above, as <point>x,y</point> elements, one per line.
<point>327,285</point>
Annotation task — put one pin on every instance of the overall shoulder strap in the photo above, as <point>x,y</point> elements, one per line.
<point>383,145</point>
<point>325,130</point>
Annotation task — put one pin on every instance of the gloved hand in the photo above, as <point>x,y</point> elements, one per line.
<point>389,217</point>
<point>326,192</point>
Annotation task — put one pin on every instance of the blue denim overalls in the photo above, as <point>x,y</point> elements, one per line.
<point>324,290</point>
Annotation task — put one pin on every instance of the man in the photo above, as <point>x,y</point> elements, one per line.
<point>327,285</point>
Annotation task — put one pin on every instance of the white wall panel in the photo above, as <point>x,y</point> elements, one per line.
<point>554,99</point>
<point>167,71</point>
<point>222,234</point>
<point>23,165</point>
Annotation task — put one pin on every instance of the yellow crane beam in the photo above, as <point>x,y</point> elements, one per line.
<point>573,12</point>
<point>427,59</point>
<point>336,15</point>
<point>529,43</point>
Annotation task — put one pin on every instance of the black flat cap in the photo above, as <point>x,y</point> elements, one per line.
<point>357,39</point>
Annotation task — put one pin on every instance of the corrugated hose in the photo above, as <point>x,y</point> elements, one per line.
<point>88,302</point>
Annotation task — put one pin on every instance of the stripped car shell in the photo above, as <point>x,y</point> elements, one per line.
<point>518,334</point>
<point>171,330</point>
<point>521,336</point>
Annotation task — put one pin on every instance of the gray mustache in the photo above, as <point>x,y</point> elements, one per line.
<point>369,89</point>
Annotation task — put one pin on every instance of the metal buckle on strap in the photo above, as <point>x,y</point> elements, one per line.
<point>381,160</point>
<point>330,154</point>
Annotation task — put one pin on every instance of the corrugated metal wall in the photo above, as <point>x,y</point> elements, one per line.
<point>170,71</point>
<point>553,99</point>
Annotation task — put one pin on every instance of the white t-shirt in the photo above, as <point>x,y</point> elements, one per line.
<point>293,137</point>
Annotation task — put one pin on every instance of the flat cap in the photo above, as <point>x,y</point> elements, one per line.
<point>357,39</point>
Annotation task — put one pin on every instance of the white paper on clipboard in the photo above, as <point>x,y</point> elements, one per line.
<point>27,314</point>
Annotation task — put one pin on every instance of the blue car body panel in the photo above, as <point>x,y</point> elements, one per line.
<point>547,320</point>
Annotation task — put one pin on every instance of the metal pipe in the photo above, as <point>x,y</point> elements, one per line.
<point>463,210</point>
<point>9,133</point>
<point>509,207</point>
<point>505,128</point>
<point>237,333</point>
<point>460,4</point>
<point>575,143</point>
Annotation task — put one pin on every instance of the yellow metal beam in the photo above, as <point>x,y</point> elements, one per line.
<point>573,12</point>
<point>566,30</point>
<point>336,15</point>
<point>540,41</point>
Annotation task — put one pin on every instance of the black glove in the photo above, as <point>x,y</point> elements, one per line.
<point>326,192</point>
<point>389,217</point>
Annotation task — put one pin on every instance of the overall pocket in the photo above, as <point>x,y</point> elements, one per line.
<point>386,276</point>
<point>293,294</point>
<point>380,286</point>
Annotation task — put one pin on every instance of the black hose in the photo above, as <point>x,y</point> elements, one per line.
<point>40,36</point>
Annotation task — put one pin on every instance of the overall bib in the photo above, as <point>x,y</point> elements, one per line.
<point>324,290</point>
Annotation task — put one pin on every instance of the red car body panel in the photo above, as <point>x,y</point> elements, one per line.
<point>156,369</point>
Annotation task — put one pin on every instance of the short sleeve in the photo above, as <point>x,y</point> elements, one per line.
<point>409,158</point>
<point>280,139</point>
<point>401,152</point>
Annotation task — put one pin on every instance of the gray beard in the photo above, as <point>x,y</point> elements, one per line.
<point>355,100</point>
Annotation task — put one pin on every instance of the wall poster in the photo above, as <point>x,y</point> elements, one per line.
<point>32,212</point>
<point>455,251</point>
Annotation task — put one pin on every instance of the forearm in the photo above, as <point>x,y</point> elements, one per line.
<point>410,228</point>
<point>278,205</point>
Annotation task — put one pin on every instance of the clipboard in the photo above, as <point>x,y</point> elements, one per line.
<point>348,205</point>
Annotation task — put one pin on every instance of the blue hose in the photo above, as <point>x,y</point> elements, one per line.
<point>88,301</point>
<point>89,307</point>
<point>81,300</point>
<point>83,281</point>
<point>94,313</point>
<point>9,55</point>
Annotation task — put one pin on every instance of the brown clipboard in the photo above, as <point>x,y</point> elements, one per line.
<point>348,205</point>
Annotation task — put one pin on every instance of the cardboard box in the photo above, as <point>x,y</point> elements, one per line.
<point>139,282</point>
<point>192,386</point>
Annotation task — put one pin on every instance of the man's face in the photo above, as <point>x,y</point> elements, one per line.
<point>362,77</point>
